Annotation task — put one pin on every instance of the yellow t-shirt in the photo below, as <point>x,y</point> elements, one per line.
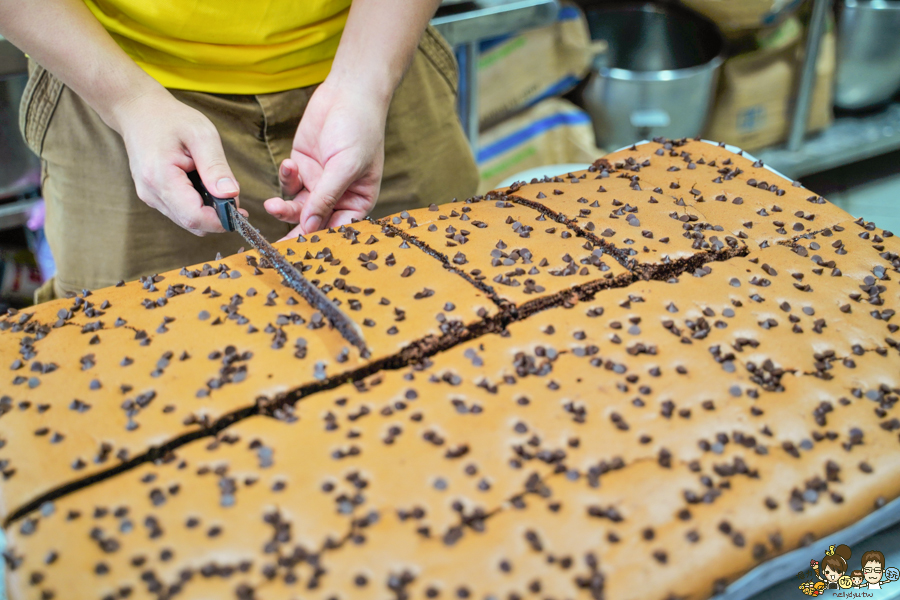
<point>227,46</point>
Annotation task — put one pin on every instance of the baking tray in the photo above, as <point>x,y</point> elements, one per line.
<point>787,565</point>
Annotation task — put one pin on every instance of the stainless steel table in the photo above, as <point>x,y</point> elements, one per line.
<point>465,24</point>
<point>849,139</point>
<point>13,213</point>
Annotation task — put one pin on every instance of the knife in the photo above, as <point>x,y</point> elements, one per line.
<point>232,220</point>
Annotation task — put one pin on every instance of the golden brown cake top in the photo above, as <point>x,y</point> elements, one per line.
<point>608,377</point>
<point>472,471</point>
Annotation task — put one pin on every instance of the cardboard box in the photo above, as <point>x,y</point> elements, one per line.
<point>737,16</point>
<point>518,71</point>
<point>554,131</point>
<point>755,97</point>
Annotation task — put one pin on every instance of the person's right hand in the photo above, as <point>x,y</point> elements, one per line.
<point>165,140</point>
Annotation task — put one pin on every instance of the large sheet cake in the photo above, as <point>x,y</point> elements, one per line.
<point>636,381</point>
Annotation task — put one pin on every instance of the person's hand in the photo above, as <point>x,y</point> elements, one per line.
<point>165,140</point>
<point>334,171</point>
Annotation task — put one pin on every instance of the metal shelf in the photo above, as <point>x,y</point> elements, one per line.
<point>15,214</point>
<point>849,139</point>
<point>465,25</point>
<point>494,18</point>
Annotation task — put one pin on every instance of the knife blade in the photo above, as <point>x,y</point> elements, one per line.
<point>232,220</point>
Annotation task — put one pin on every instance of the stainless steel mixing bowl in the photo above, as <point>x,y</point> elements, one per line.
<point>656,72</point>
<point>868,52</point>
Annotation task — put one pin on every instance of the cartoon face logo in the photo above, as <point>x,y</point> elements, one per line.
<point>812,589</point>
<point>834,564</point>
<point>875,572</point>
<point>872,571</point>
<point>835,572</point>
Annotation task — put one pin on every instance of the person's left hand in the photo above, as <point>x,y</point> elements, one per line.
<point>334,172</point>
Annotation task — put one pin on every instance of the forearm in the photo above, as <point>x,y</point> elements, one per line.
<point>65,38</point>
<point>378,44</point>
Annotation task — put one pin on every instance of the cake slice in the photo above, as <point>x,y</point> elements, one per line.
<point>97,381</point>
<point>516,251</point>
<point>648,230</point>
<point>743,196</point>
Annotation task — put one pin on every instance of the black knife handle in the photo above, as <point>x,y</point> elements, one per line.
<point>220,204</point>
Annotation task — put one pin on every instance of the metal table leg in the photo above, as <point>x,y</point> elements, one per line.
<point>808,75</point>
<point>468,92</point>
<point>483,20</point>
